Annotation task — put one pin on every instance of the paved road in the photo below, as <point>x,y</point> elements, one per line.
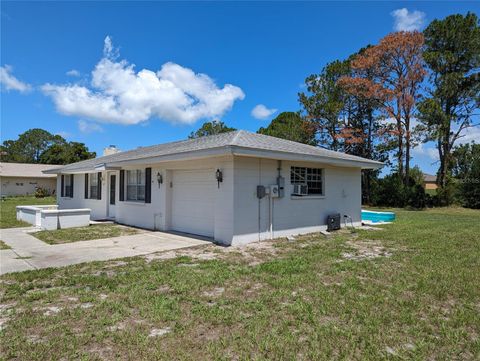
<point>30,253</point>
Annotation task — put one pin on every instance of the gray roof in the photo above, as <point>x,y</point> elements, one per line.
<point>26,170</point>
<point>239,139</point>
<point>429,178</point>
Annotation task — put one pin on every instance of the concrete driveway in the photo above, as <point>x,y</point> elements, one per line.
<point>28,252</point>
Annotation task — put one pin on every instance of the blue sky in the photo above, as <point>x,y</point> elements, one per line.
<point>250,53</point>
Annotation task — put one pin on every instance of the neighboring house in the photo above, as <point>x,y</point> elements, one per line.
<point>429,181</point>
<point>20,179</point>
<point>208,186</point>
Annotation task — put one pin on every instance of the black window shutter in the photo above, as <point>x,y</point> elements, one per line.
<point>99,185</point>
<point>86,185</point>
<point>148,185</point>
<point>121,195</point>
<point>62,186</point>
<point>71,185</point>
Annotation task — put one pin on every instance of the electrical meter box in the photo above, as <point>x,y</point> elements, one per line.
<point>274,191</point>
<point>281,186</point>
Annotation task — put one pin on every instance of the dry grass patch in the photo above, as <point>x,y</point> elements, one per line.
<point>367,249</point>
<point>94,231</point>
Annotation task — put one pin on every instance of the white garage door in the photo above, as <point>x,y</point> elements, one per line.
<point>193,201</point>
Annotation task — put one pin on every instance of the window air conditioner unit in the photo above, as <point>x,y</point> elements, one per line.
<point>300,189</point>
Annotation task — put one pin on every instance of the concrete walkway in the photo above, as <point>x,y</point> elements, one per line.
<point>30,253</point>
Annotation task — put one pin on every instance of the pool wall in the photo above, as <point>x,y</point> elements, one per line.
<point>375,217</point>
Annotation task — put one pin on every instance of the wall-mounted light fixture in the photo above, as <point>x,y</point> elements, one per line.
<point>159,179</point>
<point>219,177</point>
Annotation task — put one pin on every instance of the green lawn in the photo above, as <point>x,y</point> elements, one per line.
<point>8,214</point>
<point>96,231</point>
<point>410,291</point>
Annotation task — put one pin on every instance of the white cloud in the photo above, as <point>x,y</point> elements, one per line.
<point>10,82</point>
<point>119,94</point>
<point>73,72</point>
<point>89,127</point>
<point>109,51</point>
<point>260,111</point>
<point>426,150</point>
<point>63,134</point>
<point>408,21</point>
<point>468,135</point>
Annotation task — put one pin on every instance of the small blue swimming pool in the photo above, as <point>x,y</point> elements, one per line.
<point>376,217</point>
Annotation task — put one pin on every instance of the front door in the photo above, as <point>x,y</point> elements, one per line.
<point>112,195</point>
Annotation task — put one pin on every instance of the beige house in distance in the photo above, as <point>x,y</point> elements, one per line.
<point>429,181</point>
<point>19,179</point>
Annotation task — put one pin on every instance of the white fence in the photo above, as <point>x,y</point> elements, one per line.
<point>50,217</point>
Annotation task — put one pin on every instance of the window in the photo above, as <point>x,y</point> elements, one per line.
<point>93,180</point>
<point>312,177</point>
<point>68,185</point>
<point>135,185</point>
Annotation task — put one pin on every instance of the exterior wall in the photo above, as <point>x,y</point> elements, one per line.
<point>98,207</point>
<point>156,215</point>
<point>291,215</point>
<point>21,186</point>
<point>141,214</point>
<point>240,217</point>
<point>430,185</point>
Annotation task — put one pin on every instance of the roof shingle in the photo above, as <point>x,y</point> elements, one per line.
<point>26,170</point>
<point>239,138</point>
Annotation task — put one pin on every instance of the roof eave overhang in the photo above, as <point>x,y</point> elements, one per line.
<point>28,176</point>
<point>52,171</point>
<point>249,152</point>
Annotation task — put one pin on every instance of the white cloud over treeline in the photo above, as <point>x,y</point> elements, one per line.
<point>118,93</point>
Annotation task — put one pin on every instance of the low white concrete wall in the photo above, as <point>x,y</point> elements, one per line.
<point>49,217</point>
<point>65,218</point>
<point>28,214</point>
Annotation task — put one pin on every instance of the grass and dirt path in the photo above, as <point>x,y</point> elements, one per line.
<point>409,291</point>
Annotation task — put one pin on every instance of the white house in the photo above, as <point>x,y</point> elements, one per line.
<point>210,187</point>
<point>20,179</point>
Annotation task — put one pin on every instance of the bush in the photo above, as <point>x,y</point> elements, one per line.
<point>41,192</point>
<point>388,192</point>
<point>470,191</point>
<point>391,192</point>
<point>416,196</point>
<point>466,169</point>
